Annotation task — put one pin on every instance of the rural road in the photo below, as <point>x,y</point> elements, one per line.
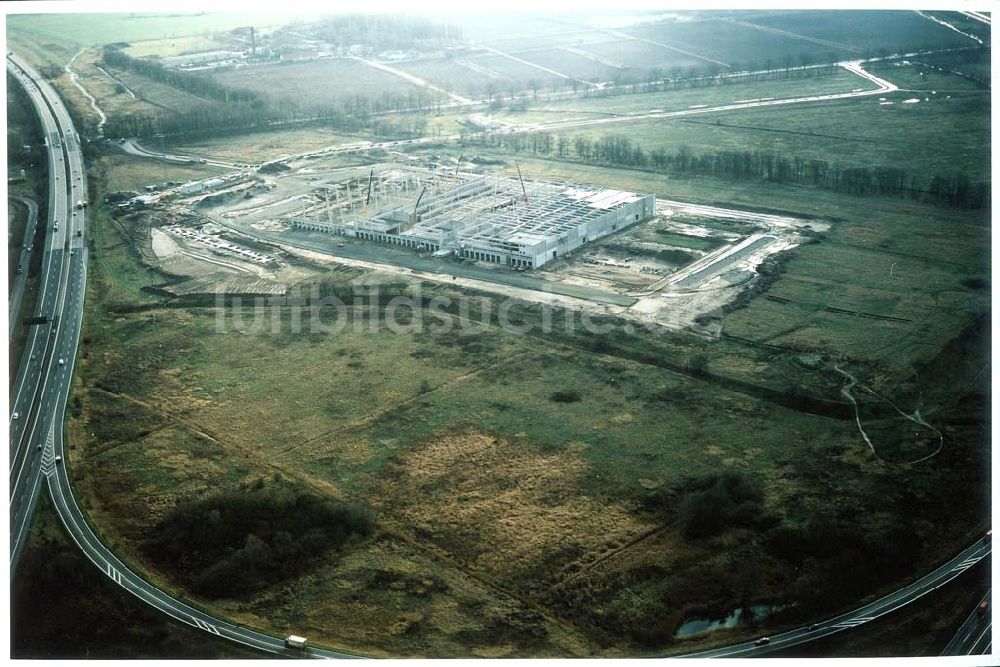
<point>132,147</point>
<point>854,66</point>
<point>24,261</point>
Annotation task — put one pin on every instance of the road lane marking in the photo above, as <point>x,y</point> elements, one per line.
<point>205,626</point>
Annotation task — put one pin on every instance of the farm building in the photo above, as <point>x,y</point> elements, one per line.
<point>483,218</point>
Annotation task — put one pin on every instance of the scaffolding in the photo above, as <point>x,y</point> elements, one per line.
<point>522,224</point>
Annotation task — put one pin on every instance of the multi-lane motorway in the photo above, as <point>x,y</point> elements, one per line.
<point>44,378</point>
<point>23,261</point>
<point>974,636</point>
<point>45,371</point>
<point>43,383</point>
<point>864,614</point>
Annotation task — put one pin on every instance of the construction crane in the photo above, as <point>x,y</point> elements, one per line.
<point>525,192</point>
<point>413,216</point>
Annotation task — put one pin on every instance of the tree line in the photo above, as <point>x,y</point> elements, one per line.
<point>383,31</point>
<point>955,190</point>
<point>200,86</point>
<point>238,541</point>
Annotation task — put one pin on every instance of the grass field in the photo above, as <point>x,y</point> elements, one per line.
<point>47,51</point>
<point>495,500</point>
<point>562,493</point>
<point>856,133</point>
<point>676,100</point>
<point>173,46</point>
<point>97,29</point>
<point>571,64</point>
<point>328,81</point>
<point>261,146</point>
<point>519,72</point>
<point>641,56</point>
<point>739,46</point>
<point>869,31</point>
<point>162,97</point>
<point>452,76</point>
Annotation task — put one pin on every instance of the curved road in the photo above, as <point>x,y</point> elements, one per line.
<point>44,383</point>
<point>864,614</point>
<point>974,637</point>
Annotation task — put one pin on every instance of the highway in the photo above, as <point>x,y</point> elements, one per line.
<point>38,379</point>
<point>24,261</point>
<point>44,382</point>
<point>864,614</point>
<point>974,637</point>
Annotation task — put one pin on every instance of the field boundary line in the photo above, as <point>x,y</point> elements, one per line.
<point>256,458</point>
<point>367,419</point>
<point>641,537</point>
<point>393,529</point>
<point>794,35</point>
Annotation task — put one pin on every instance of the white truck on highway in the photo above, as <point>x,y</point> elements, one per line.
<point>294,641</point>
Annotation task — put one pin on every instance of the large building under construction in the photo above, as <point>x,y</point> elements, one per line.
<point>509,221</point>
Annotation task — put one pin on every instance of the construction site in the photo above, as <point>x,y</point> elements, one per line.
<point>582,246</point>
<point>522,224</point>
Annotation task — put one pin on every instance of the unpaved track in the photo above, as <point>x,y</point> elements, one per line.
<point>415,80</point>
<point>93,101</point>
<point>845,391</point>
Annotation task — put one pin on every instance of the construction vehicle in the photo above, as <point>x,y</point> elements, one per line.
<point>296,642</point>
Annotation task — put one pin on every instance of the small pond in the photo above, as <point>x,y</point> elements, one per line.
<point>737,617</point>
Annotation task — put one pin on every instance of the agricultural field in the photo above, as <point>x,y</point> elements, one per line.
<point>557,35</point>
<point>397,474</point>
<point>329,82</point>
<point>868,32</point>
<point>520,73</point>
<point>173,46</point>
<point>641,56</point>
<point>572,64</point>
<point>679,100</point>
<point>97,29</point>
<point>453,76</point>
<point>734,46</point>
<point>862,132</point>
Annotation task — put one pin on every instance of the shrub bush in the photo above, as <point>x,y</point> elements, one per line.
<point>236,542</point>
